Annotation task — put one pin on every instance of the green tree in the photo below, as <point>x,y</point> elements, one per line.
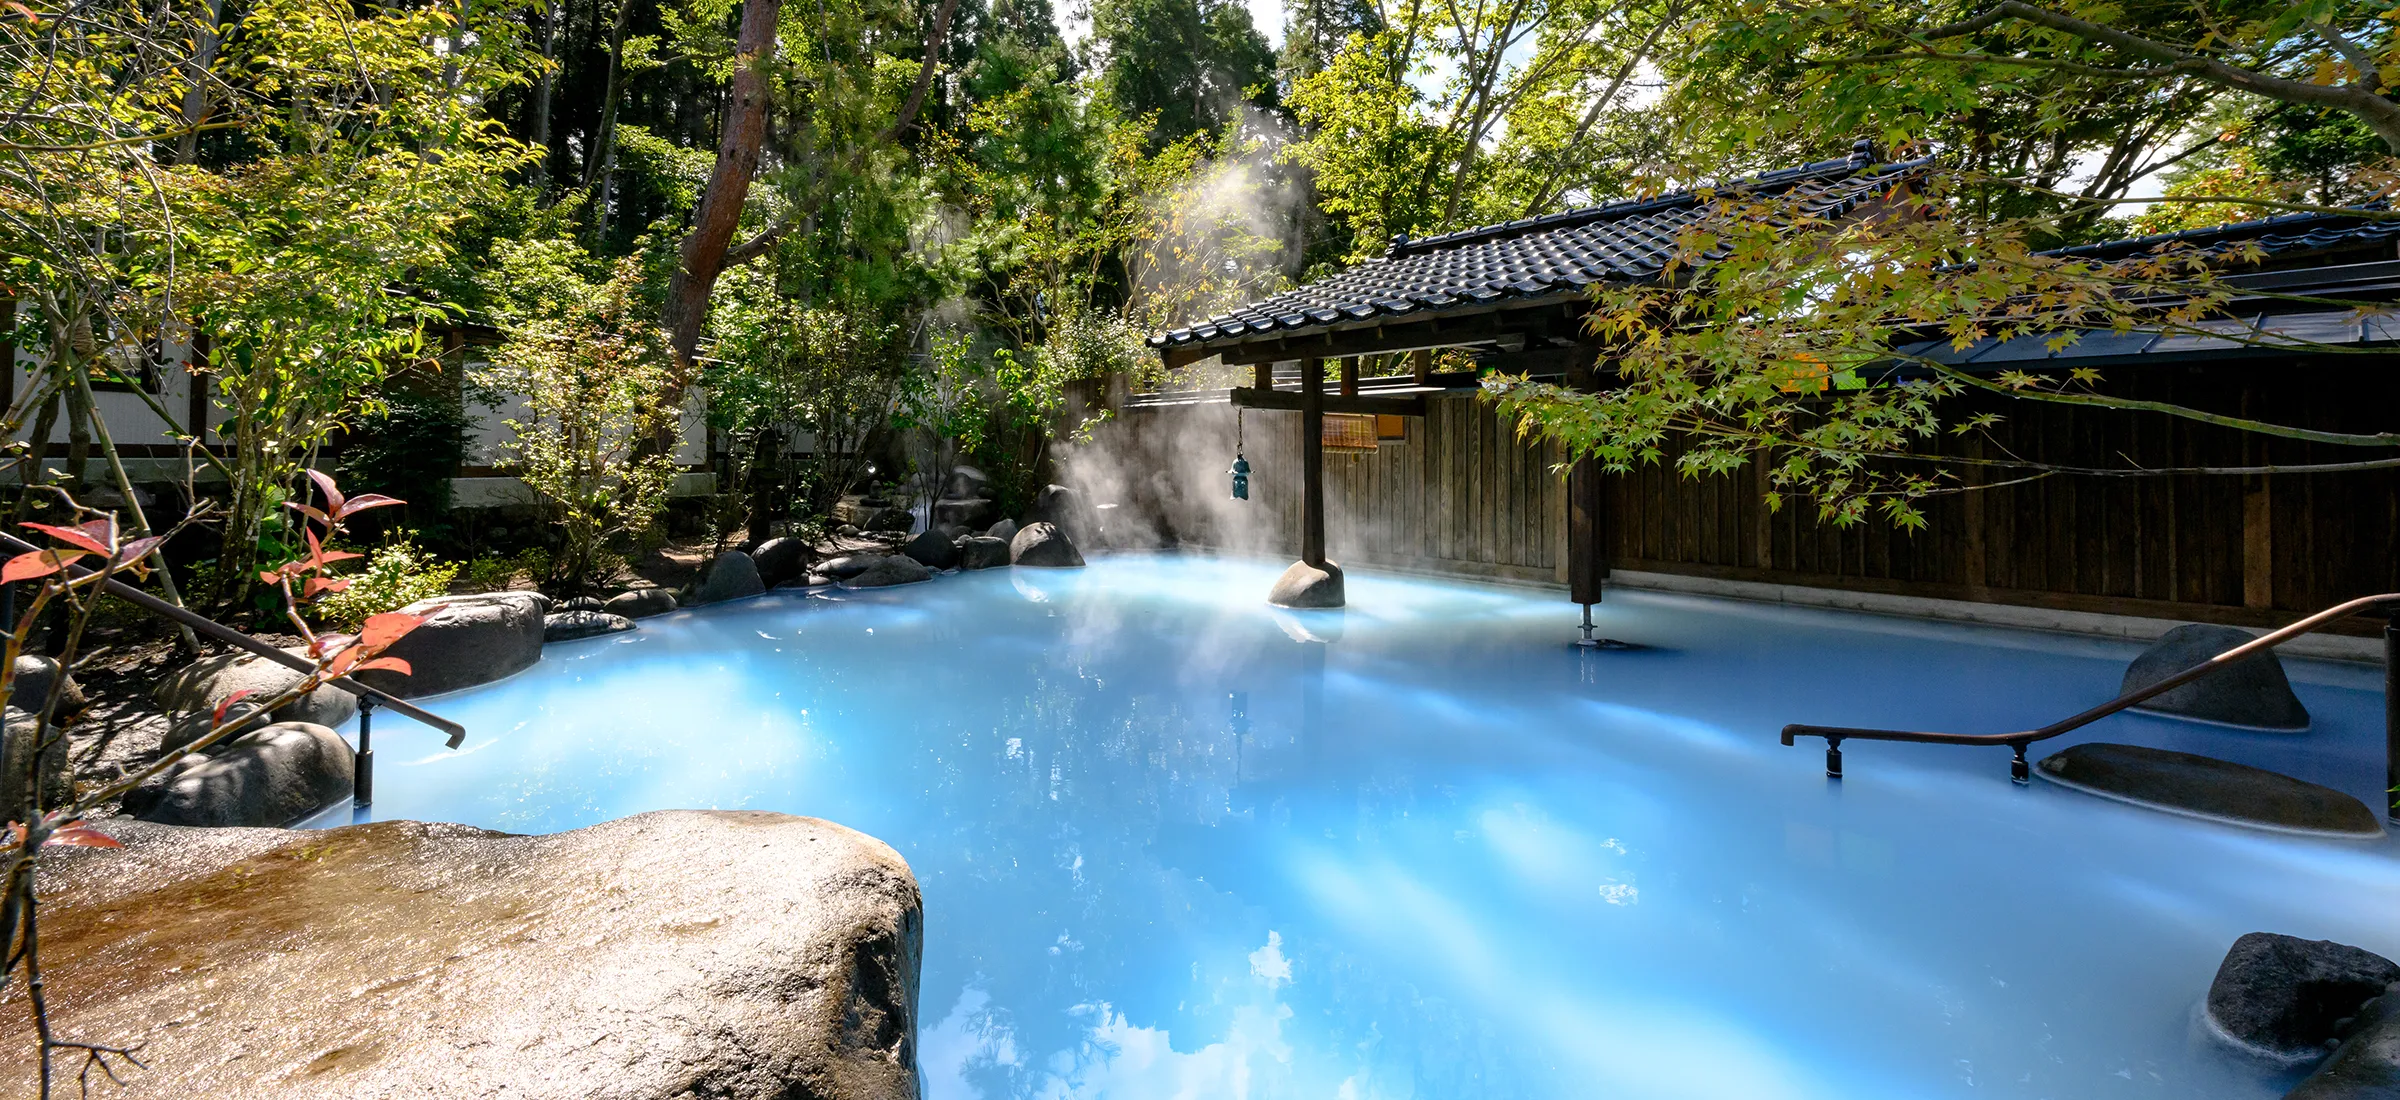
<point>1189,66</point>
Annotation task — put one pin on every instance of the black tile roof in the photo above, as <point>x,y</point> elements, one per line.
<point>2289,235</point>
<point>1552,255</point>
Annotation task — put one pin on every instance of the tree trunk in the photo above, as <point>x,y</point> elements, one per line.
<point>542,94</point>
<point>702,257</point>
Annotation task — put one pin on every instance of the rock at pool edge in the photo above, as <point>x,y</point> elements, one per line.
<point>2279,996</point>
<point>2205,787</point>
<point>1305,585</point>
<point>677,953</point>
<point>2252,693</point>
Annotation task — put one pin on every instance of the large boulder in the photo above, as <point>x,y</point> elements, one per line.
<point>568,626</point>
<point>782,559</point>
<point>199,687</point>
<point>963,512</point>
<point>772,956</point>
<point>982,552</point>
<point>892,521</point>
<point>2367,1064</point>
<point>640,603</point>
<point>19,738</point>
<point>848,565</point>
<point>266,777</point>
<point>933,550</point>
<point>2253,692</point>
<point>896,569</point>
<point>30,687</point>
<point>1005,530</point>
<point>1305,585</point>
<point>465,641</point>
<point>1043,544</point>
<point>1067,508</point>
<point>965,482</point>
<point>2279,996</point>
<point>731,577</point>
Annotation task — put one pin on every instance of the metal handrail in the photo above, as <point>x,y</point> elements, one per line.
<point>232,637</point>
<point>2021,772</point>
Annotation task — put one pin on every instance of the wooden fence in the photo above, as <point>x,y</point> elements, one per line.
<point>1461,494</point>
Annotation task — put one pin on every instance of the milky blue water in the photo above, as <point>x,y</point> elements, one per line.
<point>1176,844</point>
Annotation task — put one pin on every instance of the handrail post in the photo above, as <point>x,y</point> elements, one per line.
<point>2391,716</point>
<point>362,776</point>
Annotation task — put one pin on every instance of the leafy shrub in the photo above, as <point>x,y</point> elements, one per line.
<point>492,573</point>
<point>396,576</point>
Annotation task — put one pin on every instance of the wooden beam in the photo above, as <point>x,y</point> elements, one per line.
<point>1517,327</point>
<point>1350,376</point>
<point>1312,462</point>
<point>1289,401</point>
<point>1420,364</point>
<point>1179,357</point>
<point>1262,375</point>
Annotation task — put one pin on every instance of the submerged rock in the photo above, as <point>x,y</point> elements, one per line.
<point>2366,1066</point>
<point>1044,545</point>
<point>982,552</point>
<point>640,603</point>
<point>198,687</point>
<point>2253,692</point>
<point>2279,996</point>
<point>771,956</point>
<point>732,576</point>
<point>266,777</point>
<point>567,626</point>
<point>2206,787</point>
<point>1305,585</point>
<point>933,550</point>
<point>896,569</point>
<point>465,641</point>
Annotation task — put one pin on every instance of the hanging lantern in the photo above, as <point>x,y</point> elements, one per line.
<point>1241,477</point>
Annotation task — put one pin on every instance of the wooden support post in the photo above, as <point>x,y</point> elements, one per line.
<point>2258,519</point>
<point>1587,531</point>
<point>1312,461</point>
<point>1350,376</point>
<point>1420,363</point>
<point>1262,376</point>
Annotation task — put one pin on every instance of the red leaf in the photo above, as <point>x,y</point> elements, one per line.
<point>73,536</point>
<point>382,630</point>
<point>230,700</point>
<point>27,12</point>
<point>333,493</point>
<point>331,643</point>
<point>309,510</point>
<point>331,556</point>
<point>393,663</point>
<point>138,549</point>
<point>364,501</point>
<point>103,529</point>
<point>340,665</point>
<point>40,563</point>
<point>318,586</point>
<point>76,834</point>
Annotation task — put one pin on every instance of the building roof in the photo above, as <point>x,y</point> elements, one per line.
<point>2279,238</point>
<point>1552,256</point>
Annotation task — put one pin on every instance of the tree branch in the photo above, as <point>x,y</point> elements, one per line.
<point>925,70</point>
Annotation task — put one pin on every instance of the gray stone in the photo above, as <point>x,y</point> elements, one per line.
<point>2278,996</point>
<point>465,641</point>
<point>2367,1064</point>
<point>731,577</point>
<point>966,482</point>
<point>770,956</point>
<point>2205,787</point>
<point>266,777</point>
<point>1044,545</point>
<point>198,688</point>
<point>896,569</point>
<point>640,603</point>
<point>1305,585</point>
<point>578,603</point>
<point>143,798</point>
<point>567,626</point>
<point>30,687</point>
<point>1005,530</point>
<point>848,565</point>
<point>982,552</point>
<point>782,559</point>
<point>19,735</point>
<point>933,550</point>
<point>1067,508</point>
<point>892,521</point>
<point>2253,692</point>
<point>963,512</point>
